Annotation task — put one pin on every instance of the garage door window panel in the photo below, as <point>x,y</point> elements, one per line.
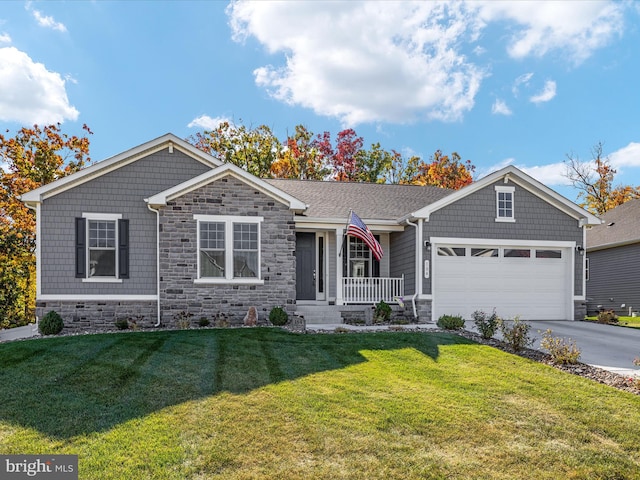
<point>517,253</point>
<point>548,253</point>
<point>452,251</point>
<point>484,252</point>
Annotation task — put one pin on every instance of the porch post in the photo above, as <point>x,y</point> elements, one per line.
<point>339,239</point>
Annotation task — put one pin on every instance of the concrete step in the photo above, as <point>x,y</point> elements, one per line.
<point>319,314</point>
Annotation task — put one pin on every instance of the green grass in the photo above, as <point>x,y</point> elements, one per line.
<point>263,404</point>
<point>633,322</point>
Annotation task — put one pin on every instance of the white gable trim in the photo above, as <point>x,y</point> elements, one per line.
<point>228,169</point>
<point>513,174</point>
<point>103,167</point>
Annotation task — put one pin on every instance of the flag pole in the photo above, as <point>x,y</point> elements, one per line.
<point>344,232</point>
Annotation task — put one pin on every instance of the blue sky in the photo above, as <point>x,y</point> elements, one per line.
<point>522,83</point>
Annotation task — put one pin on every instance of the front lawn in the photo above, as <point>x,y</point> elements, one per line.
<point>263,403</point>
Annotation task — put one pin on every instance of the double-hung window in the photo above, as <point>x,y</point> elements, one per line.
<point>102,247</point>
<point>504,204</point>
<point>228,249</point>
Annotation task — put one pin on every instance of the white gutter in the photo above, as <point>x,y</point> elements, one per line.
<point>157,261</point>
<point>418,263</point>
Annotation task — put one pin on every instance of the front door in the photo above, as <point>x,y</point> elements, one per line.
<point>305,266</point>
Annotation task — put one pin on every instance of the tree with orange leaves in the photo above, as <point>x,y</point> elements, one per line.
<point>594,181</point>
<point>442,171</point>
<point>34,157</point>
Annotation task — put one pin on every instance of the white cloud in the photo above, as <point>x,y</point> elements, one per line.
<point>207,122</point>
<point>547,93</point>
<point>521,80</point>
<point>408,67</point>
<point>552,174</point>
<point>5,38</point>
<point>499,107</point>
<point>576,28</point>
<point>362,61</point>
<point>628,156</point>
<point>45,20</point>
<point>30,93</point>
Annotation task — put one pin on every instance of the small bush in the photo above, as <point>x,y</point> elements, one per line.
<point>562,352</point>
<point>381,312</point>
<point>221,321</point>
<point>51,324</point>
<point>607,316</point>
<point>122,324</point>
<point>204,322</point>
<point>278,316</point>
<point>451,322</point>
<point>183,320</point>
<point>516,336</point>
<point>486,325</point>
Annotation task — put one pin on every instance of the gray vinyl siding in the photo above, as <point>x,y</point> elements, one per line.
<point>474,217</point>
<point>121,191</point>
<point>614,279</point>
<point>402,258</point>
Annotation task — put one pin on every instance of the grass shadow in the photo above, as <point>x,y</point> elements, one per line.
<point>70,386</point>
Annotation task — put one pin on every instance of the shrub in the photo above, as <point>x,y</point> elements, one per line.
<point>204,322</point>
<point>451,322</point>
<point>183,320</point>
<point>381,312</point>
<point>122,323</point>
<point>278,316</point>
<point>486,325</point>
<point>516,336</point>
<point>562,351</point>
<point>51,324</point>
<point>607,316</point>
<point>221,321</point>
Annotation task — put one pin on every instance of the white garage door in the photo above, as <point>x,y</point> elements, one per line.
<point>531,282</point>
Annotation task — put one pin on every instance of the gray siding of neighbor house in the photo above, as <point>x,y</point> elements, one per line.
<point>614,273</point>
<point>474,217</point>
<point>179,252</point>
<point>402,258</point>
<point>120,191</point>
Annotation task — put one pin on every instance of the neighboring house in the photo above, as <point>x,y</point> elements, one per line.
<point>164,228</point>
<point>613,256</point>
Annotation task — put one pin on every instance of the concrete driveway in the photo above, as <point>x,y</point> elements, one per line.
<point>605,346</point>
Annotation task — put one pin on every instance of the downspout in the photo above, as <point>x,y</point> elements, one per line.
<point>417,275</point>
<point>157,261</point>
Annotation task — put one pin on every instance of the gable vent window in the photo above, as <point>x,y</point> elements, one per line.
<point>102,247</point>
<point>505,204</point>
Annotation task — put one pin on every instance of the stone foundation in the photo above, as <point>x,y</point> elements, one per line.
<point>99,315</point>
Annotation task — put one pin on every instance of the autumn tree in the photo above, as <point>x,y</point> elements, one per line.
<point>253,149</point>
<point>300,158</point>
<point>442,171</point>
<point>34,157</point>
<point>594,182</point>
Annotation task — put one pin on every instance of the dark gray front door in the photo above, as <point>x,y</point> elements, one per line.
<point>305,266</point>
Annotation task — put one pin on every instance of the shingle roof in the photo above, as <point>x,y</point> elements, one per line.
<point>620,226</point>
<point>332,200</point>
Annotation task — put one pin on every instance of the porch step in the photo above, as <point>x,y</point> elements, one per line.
<point>319,314</point>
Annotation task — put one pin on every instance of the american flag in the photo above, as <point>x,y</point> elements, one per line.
<point>357,228</point>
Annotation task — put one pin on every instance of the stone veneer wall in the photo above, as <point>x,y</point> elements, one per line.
<point>179,263</point>
<point>98,315</point>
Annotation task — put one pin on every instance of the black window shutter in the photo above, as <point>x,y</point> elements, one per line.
<point>81,250</point>
<point>123,248</point>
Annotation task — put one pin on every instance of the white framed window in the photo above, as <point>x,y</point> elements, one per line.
<point>586,269</point>
<point>100,246</point>
<point>228,249</point>
<point>505,204</point>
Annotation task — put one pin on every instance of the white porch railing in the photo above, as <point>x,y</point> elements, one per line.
<point>372,289</point>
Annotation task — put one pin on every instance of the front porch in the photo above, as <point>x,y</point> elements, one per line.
<point>371,290</point>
